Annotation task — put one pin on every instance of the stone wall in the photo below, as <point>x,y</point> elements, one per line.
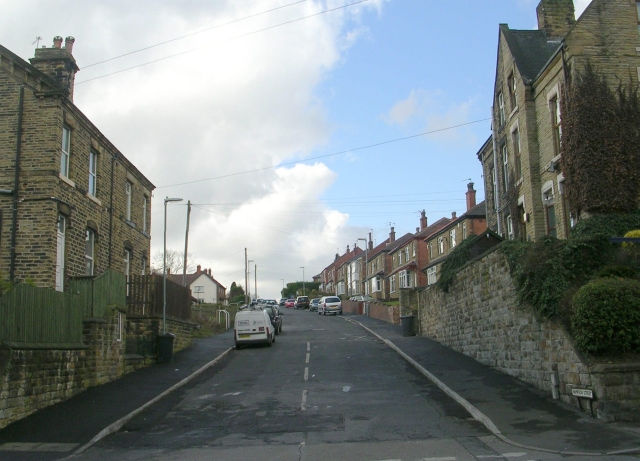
<point>36,377</point>
<point>481,318</point>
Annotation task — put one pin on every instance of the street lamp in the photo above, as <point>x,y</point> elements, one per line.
<point>303,291</point>
<point>164,266</point>
<point>282,294</point>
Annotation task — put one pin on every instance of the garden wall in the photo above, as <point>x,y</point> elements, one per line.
<point>481,318</point>
<point>34,376</point>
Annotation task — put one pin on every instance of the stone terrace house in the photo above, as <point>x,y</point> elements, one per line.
<point>70,203</point>
<point>522,161</point>
<point>444,240</point>
<point>203,286</point>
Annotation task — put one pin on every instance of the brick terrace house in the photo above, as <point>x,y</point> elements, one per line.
<point>407,258</point>
<point>376,264</point>
<point>391,275</point>
<point>341,266</point>
<point>203,286</point>
<point>441,242</point>
<point>70,203</point>
<point>522,162</point>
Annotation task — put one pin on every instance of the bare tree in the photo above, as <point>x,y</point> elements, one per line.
<point>174,262</point>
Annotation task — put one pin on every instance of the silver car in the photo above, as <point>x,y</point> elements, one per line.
<point>330,305</point>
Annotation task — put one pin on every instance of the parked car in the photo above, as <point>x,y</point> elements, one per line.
<point>253,326</point>
<point>313,305</point>
<point>330,305</point>
<point>290,303</point>
<point>283,301</point>
<point>276,318</point>
<point>361,298</point>
<point>302,302</point>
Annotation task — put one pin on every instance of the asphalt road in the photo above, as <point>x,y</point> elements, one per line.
<point>326,390</point>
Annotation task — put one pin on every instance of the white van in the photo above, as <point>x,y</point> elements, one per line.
<point>253,326</point>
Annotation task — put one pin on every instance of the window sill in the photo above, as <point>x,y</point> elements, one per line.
<point>67,180</point>
<point>146,234</point>
<point>94,199</point>
<point>130,223</point>
<point>519,182</point>
<point>513,112</point>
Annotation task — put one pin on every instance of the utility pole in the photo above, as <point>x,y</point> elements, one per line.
<point>255,284</point>
<point>186,246</point>
<point>246,280</point>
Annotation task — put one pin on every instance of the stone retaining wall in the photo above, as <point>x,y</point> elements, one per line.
<point>481,318</point>
<point>34,376</point>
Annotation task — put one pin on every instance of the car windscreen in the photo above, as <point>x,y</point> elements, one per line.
<point>331,300</point>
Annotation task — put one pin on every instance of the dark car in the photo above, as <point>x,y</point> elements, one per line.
<point>276,318</point>
<point>302,302</point>
<point>313,307</point>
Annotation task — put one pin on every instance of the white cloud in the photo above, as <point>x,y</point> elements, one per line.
<point>231,105</point>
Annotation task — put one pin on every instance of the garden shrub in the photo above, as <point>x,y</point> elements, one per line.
<point>626,272</point>
<point>456,259</point>
<point>606,316</point>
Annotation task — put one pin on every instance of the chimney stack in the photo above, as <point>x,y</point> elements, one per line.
<point>423,220</point>
<point>209,272</point>
<point>471,196</point>
<point>199,269</point>
<point>348,250</point>
<point>555,17</point>
<point>58,63</point>
<point>453,215</point>
<point>370,242</point>
<point>392,235</point>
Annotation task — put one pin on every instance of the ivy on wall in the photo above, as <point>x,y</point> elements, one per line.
<point>600,144</point>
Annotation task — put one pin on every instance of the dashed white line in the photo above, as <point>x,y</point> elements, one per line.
<point>303,407</point>
<point>306,374</point>
<point>308,347</point>
<point>307,359</point>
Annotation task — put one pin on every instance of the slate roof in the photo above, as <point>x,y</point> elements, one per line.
<point>530,49</point>
<point>190,278</point>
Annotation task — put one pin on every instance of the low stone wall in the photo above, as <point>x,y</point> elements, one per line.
<point>34,376</point>
<point>480,317</point>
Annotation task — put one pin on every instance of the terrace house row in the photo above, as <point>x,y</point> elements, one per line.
<point>395,264</point>
<point>71,204</point>
<point>522,160</point>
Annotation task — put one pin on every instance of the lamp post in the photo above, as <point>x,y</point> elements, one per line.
<point>366,252</point>
<point>282,294</point>
<point>164,266</point>
<point>303,290</point>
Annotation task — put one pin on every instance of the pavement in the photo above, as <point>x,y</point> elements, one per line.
<point>512,410</point>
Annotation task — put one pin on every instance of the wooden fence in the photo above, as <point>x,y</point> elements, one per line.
<point>146,297</point>
<point>39,315</point>
<point>94,294</point>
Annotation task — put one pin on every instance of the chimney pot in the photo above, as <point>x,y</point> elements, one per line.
<point>423,220</point>
<point>199,269</point>
<point>57,41</point>
<point>471,196</point>
<point>68,43</point>
<point>392,235</point>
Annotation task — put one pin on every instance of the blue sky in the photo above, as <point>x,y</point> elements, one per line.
<point>238,98</point>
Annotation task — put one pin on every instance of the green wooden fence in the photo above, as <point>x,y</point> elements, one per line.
<point>29,314</point>
<point>39,315</point>
<point>94,294</point>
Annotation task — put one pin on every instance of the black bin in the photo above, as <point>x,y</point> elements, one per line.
<point>408,325</point>
<point>165,348</point>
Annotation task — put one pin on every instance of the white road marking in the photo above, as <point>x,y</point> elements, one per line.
<point>308,347</point>
<point>304,400</point>
<point>307,359</point>
<point>346,388</point>
<point>504,455</point>
<point>446,458</point>
<point>306,374</point>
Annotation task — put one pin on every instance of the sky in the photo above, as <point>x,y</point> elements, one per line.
<point>294,127</point>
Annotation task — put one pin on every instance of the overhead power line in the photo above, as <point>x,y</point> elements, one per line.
<point>191,34</point>
<point>228,40</point>
<point>295,162</point>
